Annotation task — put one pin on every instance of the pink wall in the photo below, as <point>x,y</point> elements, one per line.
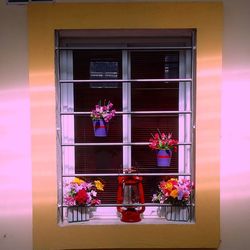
<point>15,167</point>
<point>235,130</point>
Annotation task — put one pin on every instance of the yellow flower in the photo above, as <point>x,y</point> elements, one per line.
<point>99,185</point>
<point>78,181</point>
<point>174,193</point>
<point>169,186</point>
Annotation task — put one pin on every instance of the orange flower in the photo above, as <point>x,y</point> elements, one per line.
<point>174,193</point>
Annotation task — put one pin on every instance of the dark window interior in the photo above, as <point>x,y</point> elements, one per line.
<point>145,96</point>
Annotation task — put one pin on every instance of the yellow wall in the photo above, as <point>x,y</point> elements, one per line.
<point>43,19</point>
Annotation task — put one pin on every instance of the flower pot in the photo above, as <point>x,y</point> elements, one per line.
<point>178,213</point>
<point>100,128</point>
<point>164,158</point>
<point>78,214</point>
<point>161,211</point>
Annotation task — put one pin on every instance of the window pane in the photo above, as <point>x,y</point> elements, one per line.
<point>154,65</point>
<point>143,126</point>
<point>97,65</point>
<point>153,96</point>
<point>98,159</point>
<point>85,98</point>
<point>109,195</point>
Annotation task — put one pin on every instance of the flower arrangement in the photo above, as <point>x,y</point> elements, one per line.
<point>103,112</point>
<point>80,192</point>
<point>174,191</point>
<point>162,141</point>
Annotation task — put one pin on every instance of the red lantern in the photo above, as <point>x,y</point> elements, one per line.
<point>130,191</point>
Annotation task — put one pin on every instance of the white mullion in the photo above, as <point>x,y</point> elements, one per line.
<point>182,101</point>
<point>184,119</point>
<point>126,106</point>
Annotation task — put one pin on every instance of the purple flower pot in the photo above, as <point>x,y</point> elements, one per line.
<point>100,128</point>
<point>164,158</point>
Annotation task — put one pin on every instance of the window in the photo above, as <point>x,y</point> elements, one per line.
<point>149,77</point>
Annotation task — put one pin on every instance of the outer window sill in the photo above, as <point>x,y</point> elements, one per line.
<point>103,221</point>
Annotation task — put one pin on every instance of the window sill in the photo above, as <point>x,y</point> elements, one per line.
<point>109,221</point>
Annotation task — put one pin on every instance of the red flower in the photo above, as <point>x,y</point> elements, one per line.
<point>81,197</point>
<point>156,137</point>
<point>163,141</point>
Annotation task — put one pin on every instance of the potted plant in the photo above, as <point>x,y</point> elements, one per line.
<point>79,196</point>
<point>164,144</point>
<point>176,194</point>
<point>101,116</point>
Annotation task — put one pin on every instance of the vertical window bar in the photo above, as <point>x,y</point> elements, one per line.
<point>67,122</point>
<point>126,105</point>
<point>193,91</point>
<point>193,118</point>
<point>58,132</point>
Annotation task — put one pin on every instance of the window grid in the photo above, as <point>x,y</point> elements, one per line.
<point>65,85</point>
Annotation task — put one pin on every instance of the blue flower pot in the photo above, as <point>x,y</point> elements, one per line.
<point>100,128</point>
<point>164,158</point>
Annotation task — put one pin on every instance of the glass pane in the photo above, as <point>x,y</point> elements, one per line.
<point>155,96</point>
<point>85,98</point>
<point>143,126</point>
<point>98,159</point>
<point>68,160</point>
<point>109,195</point>
<point>67,126</point>
<point>97,65</point>
<point>154,65</point>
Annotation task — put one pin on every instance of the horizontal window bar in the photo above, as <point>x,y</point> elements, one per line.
<point>126,174</point>
<point>132,205</point>
<point>114,144</point>
<point>127,80</point>
<point>158,48</point>
<point>132,112</point>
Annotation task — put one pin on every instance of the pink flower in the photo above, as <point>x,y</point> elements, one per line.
<point>161,141</point>
<point>174,191</point>
<point>81,192</point>
<point>70,201</point>
<point>103,112</point>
